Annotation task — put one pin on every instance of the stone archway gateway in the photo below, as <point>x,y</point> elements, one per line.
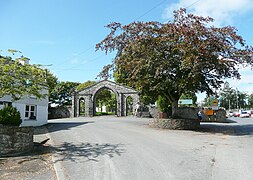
<point>88,95</point>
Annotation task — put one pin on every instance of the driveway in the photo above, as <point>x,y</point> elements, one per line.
<point>125,148</point>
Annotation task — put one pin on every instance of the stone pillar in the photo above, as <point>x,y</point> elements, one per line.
<point>124,105</point>
<point>136,99</point>
<point>119,104</point>
<point>73,109</point>
<point>77,106</point>
<point>89,106</point>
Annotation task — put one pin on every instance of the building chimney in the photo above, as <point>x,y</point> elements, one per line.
<point>23,60</point>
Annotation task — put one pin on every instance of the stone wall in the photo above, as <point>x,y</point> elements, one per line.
<point>15,140</point>
<point>59,112</point>
<point>186,124</point>
<point>191,113</point>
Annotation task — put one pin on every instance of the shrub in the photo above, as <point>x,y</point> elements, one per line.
<point>10,116</point>
<point>163,104</point>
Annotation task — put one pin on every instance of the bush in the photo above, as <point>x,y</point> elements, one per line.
<point>10,116</point>
<point>163,104</point>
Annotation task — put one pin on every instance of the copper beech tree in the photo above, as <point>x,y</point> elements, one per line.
<point>180,56</point>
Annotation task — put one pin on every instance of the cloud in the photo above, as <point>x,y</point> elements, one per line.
<point>78,61</point>
<point>223,11</point>
<point>245,83</point>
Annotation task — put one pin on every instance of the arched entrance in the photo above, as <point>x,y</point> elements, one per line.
<point>89,95</point>
<point>129,106</point>
<point>104,102</point>
<point>81,107</point>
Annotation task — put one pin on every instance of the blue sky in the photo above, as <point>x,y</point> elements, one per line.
<point>64,33</point>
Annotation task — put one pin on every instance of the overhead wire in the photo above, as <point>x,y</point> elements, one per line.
<point>86,50</point>
<point>72,68</point>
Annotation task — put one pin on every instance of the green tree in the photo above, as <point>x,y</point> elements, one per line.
<point>208,101</point>
<point>62,93</point>
<point>232,98</point>
<point>228,97</point>
<point>105,98</point>
<point>19,80</point>
<point>51,81</point>
<point>250,101</point>
<point>85,85</point>
<point>163,104</point>
<point>242,100</point>
<point>111,103</point>
<point>191,96</point>
<point>169,59</point>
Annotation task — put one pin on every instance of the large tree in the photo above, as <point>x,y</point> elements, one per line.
<point>19,79</point>
<point>228,97</point>
<point>232,98</point>
<point>250,101</point>
<point>168,59</point>
<point>62,93</point>
<point>51,81</point>
<point>85,85</point>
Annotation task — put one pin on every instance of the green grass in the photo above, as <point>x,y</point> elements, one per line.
<point>104,113</point>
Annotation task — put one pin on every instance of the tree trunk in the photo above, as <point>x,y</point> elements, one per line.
<point>174,108</point>
<point>173,98</point>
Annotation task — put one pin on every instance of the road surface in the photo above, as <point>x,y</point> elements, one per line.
<point>125,148</point>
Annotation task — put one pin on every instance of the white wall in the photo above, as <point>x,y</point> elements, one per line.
<point>104,109</point>
<point>41,117</point>
<point>41,112</point>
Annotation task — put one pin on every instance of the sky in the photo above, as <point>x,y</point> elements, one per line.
<point>62,34</point>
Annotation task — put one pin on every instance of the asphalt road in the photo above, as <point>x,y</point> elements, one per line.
<point>125,148</point>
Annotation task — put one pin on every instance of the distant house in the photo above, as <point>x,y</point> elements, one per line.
<point>34,112</point>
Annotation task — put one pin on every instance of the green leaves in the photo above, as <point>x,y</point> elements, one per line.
<point>14,77</point>
<point>85,85</point>
<point>185,55</point>
<point>62,93</point>
<point>10,116</point>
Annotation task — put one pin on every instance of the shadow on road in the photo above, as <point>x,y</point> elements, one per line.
<point>91,152</point>
<point>227,129</point>
<point>52,127</point>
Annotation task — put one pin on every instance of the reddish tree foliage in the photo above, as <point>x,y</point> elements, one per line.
<point>168,59</point>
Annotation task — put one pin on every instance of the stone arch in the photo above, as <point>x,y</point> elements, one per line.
<point>81,106</point>
<point>96,93</point>
<point>89,95</point>
<point>129,105</point>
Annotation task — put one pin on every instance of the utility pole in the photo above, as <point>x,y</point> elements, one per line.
<point>237,107</point>
<point>46,71</point>
<point>229,105</point>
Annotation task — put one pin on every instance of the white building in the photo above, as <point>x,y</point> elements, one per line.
<point>33,112</point>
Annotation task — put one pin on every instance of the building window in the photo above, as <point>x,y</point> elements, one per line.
<point>30,111</point>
